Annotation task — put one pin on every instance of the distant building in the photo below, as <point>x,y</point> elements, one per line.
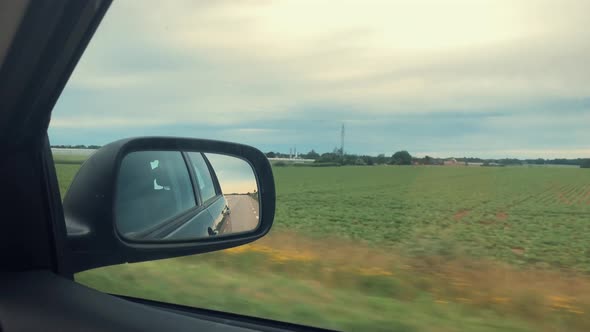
<point>491,164</point>
<point>450,162</point>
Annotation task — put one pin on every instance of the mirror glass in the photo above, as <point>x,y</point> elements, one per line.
<point>184,195</point>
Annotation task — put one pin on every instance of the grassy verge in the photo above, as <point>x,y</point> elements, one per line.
<point>343,286</point>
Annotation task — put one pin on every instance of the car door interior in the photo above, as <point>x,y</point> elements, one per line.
<point>37,290</point>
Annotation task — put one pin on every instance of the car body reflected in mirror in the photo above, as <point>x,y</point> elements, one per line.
<point>184,195</point>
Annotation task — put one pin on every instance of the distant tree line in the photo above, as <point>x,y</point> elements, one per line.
<point>403,157</point>
<point>539,161</point>
<point>310,155</point>
<point>80,146</point>
<point>337,158</point>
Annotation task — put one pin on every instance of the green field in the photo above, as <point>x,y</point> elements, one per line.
<point>519,215</point>
<point>396,248</point>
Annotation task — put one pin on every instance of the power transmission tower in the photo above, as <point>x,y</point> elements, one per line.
<point>342,143</point>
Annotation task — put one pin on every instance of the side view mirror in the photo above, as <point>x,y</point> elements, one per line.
<point>149,198</point>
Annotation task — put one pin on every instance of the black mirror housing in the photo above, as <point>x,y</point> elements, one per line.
<point>89,205</point>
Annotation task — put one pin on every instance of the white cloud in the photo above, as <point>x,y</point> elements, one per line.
<point>374,53</point>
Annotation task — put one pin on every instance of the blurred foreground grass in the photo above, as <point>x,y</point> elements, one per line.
<point>338,285</point>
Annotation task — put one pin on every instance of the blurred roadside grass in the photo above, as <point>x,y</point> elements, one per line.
<point>69,159</point>
<point>66,167</point>
<point>343,285</point>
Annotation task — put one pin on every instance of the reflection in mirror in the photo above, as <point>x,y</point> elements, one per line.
<point>173,195</point>
<point>240,189</point>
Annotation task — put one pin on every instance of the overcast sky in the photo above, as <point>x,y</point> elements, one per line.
<point>445,78</point>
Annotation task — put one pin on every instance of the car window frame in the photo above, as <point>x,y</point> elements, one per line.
<point>212,175</point>
<point>216,184</point>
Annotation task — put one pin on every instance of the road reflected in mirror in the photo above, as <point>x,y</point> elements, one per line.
<point>240,189</point>
<point>174,195</point>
